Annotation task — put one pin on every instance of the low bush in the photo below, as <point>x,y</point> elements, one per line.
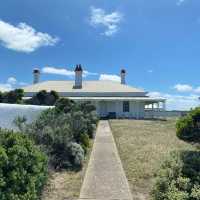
<point>84,140</point>
<point>63,133</point>
<point>23,168</point>
<point>64,105</point>
<point>188,127</point>
<point>77,154</point>
<point>52,132</point>
<point>179,177</point>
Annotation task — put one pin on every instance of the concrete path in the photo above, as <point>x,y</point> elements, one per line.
<point>105,178</point>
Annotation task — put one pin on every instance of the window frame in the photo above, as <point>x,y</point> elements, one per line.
<point>126,106</point>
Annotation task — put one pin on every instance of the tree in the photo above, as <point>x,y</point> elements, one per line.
<point>44,98</point>
<point>14,96</point>
<point>41,96</point>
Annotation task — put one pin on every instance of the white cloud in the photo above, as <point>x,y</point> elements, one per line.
<point>23,38</point>
<point>179,2</point>
<point>23,83</point>
<point>183,88</point>
<point>178,102</point>
<point>64,72</point>
<point>12,80</point>
<point>150,71</point>
<point>197,90</point>
<point>5,87</point>
<point>86,73</point>
<point>109,77</point>
<point>110,21</point>
<point>10,83</point>
<point>186,88</point>
<point>58,71</point>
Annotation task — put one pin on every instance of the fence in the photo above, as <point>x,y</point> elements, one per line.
<point>164,114</point>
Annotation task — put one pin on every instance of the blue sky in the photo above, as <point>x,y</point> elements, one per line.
<point>157,42</point>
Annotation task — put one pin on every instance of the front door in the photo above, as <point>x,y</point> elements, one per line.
<point>103,109</point>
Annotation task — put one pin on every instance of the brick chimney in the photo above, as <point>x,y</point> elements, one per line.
<point>78,76</point>
<point>123,76</point>
<point>36,76</point>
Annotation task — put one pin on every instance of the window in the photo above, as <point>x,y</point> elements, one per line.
<point>126,106</point>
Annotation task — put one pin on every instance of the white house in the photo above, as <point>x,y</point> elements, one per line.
<point>110,98</point>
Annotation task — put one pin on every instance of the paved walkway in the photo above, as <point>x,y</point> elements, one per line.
<point>105,178</point>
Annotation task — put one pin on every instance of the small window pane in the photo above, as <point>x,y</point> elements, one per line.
<point>126,106</point>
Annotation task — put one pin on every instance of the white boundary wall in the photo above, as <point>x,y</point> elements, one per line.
<point>8,112</point>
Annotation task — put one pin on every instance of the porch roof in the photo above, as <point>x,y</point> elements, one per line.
<point>143,99</point>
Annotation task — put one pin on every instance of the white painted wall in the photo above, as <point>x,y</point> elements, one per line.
<point>8,112</point>
<point>104,107</point>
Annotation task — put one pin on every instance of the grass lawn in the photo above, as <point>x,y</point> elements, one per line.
<point>142,146</point>
<point>64,185</point>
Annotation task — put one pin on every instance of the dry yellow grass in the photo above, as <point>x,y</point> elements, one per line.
<point>142,146</point>
<point>65,185</point>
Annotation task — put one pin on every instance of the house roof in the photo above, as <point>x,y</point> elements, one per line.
<point>87,87</point>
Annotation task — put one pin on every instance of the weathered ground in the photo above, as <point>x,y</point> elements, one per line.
<point>142,146</point>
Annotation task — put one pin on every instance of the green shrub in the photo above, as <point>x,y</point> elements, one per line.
<point>78,124</point>
<point>179,177</point>
<point>63,132</point>
<point>188,127</point>
<point>23,168</point>
<point>83,123</point>
<point>14,96</point>
<point>77,154</point>
<point>196,192</point>
<point>44,98</point>
<point>64,105</point>
<point>83,117</point>
<point>84,141</point>
<point>87,107</point>
<point>53,132</point>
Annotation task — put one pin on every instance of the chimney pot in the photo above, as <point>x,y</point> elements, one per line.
<point>123,76</point>
<point>78,76</point>
<point>36,76</point>
<point>78,68</point>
